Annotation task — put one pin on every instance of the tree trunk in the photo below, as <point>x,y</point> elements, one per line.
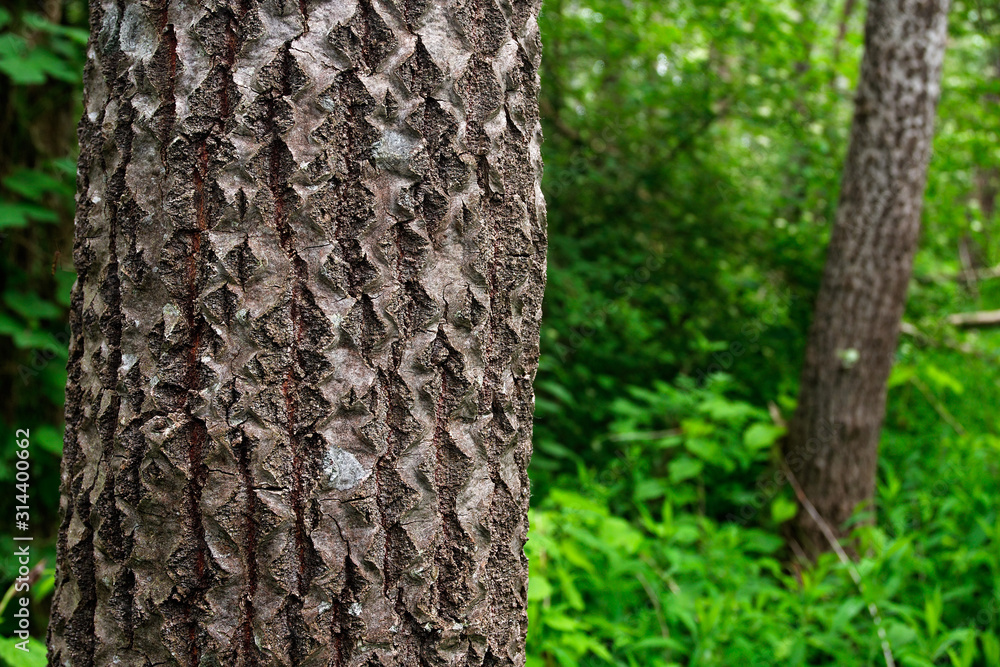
<point>310,245</point>
<point>832,442</point>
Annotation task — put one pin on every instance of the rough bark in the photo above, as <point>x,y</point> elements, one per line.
<point>310,245</point>
<point>832,442</point>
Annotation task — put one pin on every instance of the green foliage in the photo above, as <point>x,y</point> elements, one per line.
<point>29,64</point>
<point>692,164</point>
<point>41,59</point>
<point>692,159</point>
<point>13,656</point>
<point>681,583</point>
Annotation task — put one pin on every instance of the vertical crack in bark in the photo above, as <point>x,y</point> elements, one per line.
<point>290,387</point>
<point>80,632</point>
<point>108,534</point>
<point>168,106</point>
<point>73,459</point>
<point>450,475</point>
<point>247,654</point>
<point>304,10</point>
<point>398,419</point>
<point>483,179</point>
<point>197,431</point>
<point>385,461</point>
<point>340,624</point>
<point>491,381</point>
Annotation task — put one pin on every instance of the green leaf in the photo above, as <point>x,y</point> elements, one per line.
<point>761,436</point>
<point>10,326</point>
<point>539,588</point>
<point>572,553</point>
<point>64,291</point>
<point>45,585</point>
<point>11,46</point>
<point>48,439</point>
<point>783,509</point>
<point>620,533</point>
<point>683,468</point>
<point>900,375</point>
<point>36,66</point>
<point>759,542</point>
<point>40,340</point>
<point>32,184</point>
<point>723,410</point>
<point>847,610</point>
<point>649,489</point>
<point>23,71</point>
<point>942,380</point>
<point>18,215</point>
<point>991,649</point>
<point>39,22</point>
<point>15,657</point>
<point>686,534</point>
<point>933,608</point>
<point>706,450</point>
<point>900,635</point>
<point>12,216</point>
<point>558,391</point>
<point>30,306</point>
<point>571,500</point>
<point>570,591</point>
<point>561,622</point>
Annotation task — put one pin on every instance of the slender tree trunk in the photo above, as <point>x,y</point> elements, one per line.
<point>832,442</point>
<point>310,244</point>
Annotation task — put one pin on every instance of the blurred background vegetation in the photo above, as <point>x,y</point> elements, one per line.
<point>693,155</point>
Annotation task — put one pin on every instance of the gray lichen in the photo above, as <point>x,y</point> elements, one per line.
<point>341,470</point>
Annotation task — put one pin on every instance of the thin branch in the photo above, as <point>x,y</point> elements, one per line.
<point>845,18</point>
<point>644,435</point>
<point>908,329</point>
<point>938,406</point>
<point>831,537</point>
<point>706,122</point>
<point>550,114</point>
<point>655,600</point>
<point>978,319</point>
<point>991,273</point>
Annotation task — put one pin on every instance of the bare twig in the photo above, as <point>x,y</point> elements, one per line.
<point>982,318</point>
<point>831,537</point>
<point>991,273</point>
<point>644,435</point>
<point>655,600</point>
<point>908,329</point>
<point>938,406</point>
<point>845,18</point>
<point>775,412</point>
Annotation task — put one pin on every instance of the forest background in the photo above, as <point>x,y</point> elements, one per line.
<point>693,157</point>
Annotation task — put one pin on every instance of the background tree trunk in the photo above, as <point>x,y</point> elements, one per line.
<point>310,245</point>
<point>832,442</point>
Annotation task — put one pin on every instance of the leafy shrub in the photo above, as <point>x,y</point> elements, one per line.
<point>685,584</point>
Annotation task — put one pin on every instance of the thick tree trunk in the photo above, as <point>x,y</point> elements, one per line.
<point>832,442</point>
<point>310,245</point>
